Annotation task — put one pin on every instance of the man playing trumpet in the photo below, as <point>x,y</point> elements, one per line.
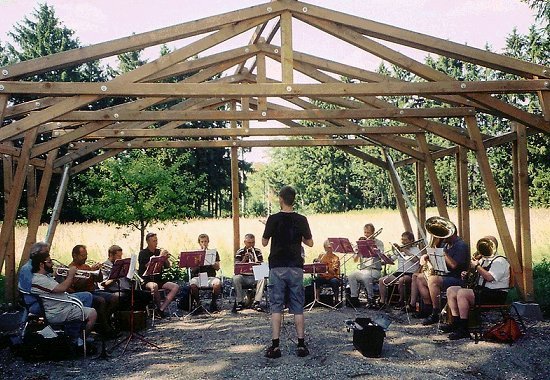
<point>491,287</point>
<point>105,303</point>
<point>154,283</point>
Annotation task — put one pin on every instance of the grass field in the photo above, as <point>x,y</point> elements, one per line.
<point>180,236</point>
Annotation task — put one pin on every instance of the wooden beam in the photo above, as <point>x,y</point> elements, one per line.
<point>247,132</point>
<point>521,210</point>
<point>462,192</point>
<point>432,175</point>
<point>16,191</point>
<point>420,197</point>
<point>139,41</point>
<point>442,87</point>
<point>399,198</point>
<point>310,114</point>
<point>35,213</point>
<point>133,76</point>
<point>3,104</point>
<point>423,70</point>
<point>494,200</point>
<point>422,41</point>
<point>235,189</point>
<point>261,78</point>
<point>9,254</point>
<point>544,100</point>
<point>286,48</point>
<point>365,156</point>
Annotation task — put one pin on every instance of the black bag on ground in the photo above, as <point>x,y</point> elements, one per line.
<point>183,298</point>
<point>368,339</point>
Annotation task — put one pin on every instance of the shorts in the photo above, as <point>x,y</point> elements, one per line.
<point>449,281</point>
<point>210,283</point>
<point>286,281</point>
<point>485,296</point>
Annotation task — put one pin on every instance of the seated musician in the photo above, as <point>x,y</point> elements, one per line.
<point>430,286</point>
<point>44,283</point>
<point>332,277</point>
<point>248,254</point>
<point>122,286</point>
<point>105,303</point>
<point>210,270</point>
<point>491,284</point>
<point>25,281</point>
<point>370,270</point>
<point>154,283</point>
<point>407,264</point>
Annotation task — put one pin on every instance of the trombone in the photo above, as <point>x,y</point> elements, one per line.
<point>412,259</point>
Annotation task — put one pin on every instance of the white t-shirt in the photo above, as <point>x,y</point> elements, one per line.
<point>56,312</point>
<point>500,270</point>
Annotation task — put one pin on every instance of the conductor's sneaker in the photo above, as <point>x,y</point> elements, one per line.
<point>433,318</point>
<point>302,351</point>
<point>273,352</point>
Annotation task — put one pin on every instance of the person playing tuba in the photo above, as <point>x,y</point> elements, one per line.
<point>492,285</point>
<point>456,255</point>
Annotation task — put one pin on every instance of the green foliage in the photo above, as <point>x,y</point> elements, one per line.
<point>541,283</point>
<point>136,190</point>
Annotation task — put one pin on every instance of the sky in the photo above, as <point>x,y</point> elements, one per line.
<point>474,22</point>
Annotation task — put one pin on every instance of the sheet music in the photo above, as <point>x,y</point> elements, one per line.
<point>132,269</point>
<point>437,259</point>
<point>210,257</point>
<point>203,279</point>
<point>260,271</point>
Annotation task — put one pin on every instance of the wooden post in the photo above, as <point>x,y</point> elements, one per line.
<point>261,77</point>
<point>521,209</point>
<point>3,103</point>
<point>494,200</point>
<point>462,192</point>
<point>35,214</point>
<point>286,48</point>
<point>397,191</point>
<point>235,189</point>
<point>432,175</point>
<point>16,190</point>
<point>9,289</point>
<point>54,220</point>
<point>420,198</point>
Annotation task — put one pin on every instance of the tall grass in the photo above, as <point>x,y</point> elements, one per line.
<point>180,236</point>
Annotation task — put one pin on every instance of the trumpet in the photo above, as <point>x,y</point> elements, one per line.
<point>64,271</point>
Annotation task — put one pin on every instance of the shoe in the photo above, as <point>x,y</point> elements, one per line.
<point>447,328</point>
<point>353,302</point>
<point>433,318</point>
<point>240,306</point>
<point>213,307</point>
<point>161,313</point>
<point>256,306</point>
<point>422,314</point>
<point>459,334</point>
<point>400,306</point>
<point>273,352</point>
<point>302,351</point>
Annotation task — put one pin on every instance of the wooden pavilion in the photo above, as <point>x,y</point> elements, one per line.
<point>246,93</point>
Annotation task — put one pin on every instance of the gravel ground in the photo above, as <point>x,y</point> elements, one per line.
<point>231,346</point>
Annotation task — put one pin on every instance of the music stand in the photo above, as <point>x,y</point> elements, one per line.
<point>126,268</point>
<point>188,260</point>
<point>313,269</point>
<point>437,259</point>
<point>342,245</point>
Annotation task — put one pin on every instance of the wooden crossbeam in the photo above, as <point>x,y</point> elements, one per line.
<point>276,89</point>
<point>248,132</point>
<point>314,114</point>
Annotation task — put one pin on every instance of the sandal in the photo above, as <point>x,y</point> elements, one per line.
<point>302,351</point>
<point>273,352</point>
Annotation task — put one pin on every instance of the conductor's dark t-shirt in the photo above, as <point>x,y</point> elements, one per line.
<point>286,231</point>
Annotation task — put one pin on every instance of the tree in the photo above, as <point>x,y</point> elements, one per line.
<point>137,190</point>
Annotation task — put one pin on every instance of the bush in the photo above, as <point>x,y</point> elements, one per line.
<point>541,283</point>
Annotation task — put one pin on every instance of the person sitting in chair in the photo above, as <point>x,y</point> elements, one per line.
<point>491,284</point>
<point>407,264</point>
<point>43,283</point>
<point>154,283</point>
<point>248,254</point>
<point>123,286</point>
<point>210,271</point>
<point>332,277</point>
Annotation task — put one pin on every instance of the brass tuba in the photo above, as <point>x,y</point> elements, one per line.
<point>440,228</point>
<point>486,247</point>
